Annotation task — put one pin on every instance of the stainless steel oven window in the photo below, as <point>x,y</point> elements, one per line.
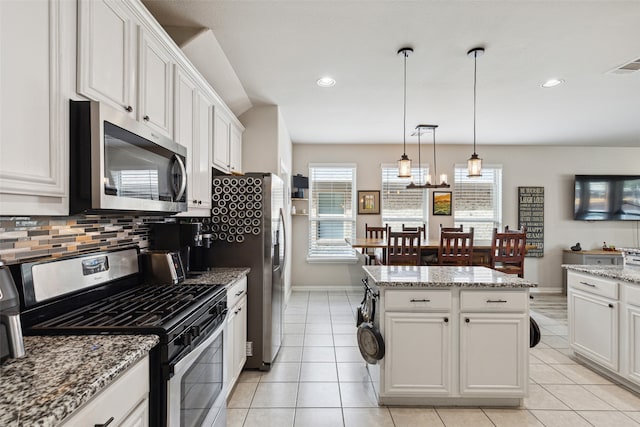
<point>196,390</point>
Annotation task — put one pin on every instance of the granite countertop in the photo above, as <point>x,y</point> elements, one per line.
<point>61,373</point>
<point>217,276</point>
<point>443,277</point>
<point>612,272</point>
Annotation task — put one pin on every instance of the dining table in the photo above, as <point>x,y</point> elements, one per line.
<point>481,248</point>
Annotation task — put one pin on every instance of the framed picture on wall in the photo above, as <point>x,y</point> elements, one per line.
<point>441,203</point>
<point>368,202</point>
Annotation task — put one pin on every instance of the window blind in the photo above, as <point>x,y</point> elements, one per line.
<point>399,204</point>
<point>332,204</point>
<point>478,201</point>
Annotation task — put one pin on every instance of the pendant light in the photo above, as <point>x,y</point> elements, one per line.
<point>474,164</point>
<point>404,164</point>
<point>443,177</point>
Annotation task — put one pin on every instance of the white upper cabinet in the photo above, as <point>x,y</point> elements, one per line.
<point>106,54</point>
<point>124,63</point>
<point>221,136</point>
<point>227,144</point>
<point>155,95</point>
<point>36,44</point>
<point>193,130</point>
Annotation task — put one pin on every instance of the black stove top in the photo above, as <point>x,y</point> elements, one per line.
<point>142,309</point>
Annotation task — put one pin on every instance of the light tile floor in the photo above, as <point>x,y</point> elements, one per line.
<point>320,379</point>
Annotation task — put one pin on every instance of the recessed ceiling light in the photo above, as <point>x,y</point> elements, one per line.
<point>552,82</point>
<point>326,82</point>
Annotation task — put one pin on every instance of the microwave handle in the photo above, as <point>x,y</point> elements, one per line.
<point>183,178</point>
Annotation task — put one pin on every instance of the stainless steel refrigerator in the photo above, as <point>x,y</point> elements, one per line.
<point>247,230</point>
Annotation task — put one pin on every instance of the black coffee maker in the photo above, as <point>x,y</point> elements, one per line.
<point>185,238</point>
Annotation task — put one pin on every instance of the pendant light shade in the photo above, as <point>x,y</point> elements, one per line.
<point>404,164</point>
<point>474,164</point>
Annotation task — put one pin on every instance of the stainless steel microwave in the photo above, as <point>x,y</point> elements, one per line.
<point>118,164</point>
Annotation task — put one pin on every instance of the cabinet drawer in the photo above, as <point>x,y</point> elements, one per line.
<point>418,300</point>
<point>601,260</point>
<point>236,290</point>
<point>592,284</point>
<point>500,301</point>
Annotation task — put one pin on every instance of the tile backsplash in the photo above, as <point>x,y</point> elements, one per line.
<point>23,238</point>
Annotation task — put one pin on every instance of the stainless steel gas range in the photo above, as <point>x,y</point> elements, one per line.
<point>101,293</point>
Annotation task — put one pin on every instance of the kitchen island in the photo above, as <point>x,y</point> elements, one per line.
<point>603,313</point>
<point>452,335</point>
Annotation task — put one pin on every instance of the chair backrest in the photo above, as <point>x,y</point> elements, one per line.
<point>376,232</point>
<point>422,230</point>
<point>508,250</point>
<point>456,248</point>
<point>450,228</point>
<point>403,248</point>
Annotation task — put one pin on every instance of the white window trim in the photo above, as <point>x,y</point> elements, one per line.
<point>336,259</point>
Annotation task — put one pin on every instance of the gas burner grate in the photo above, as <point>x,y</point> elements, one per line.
<point>143,306</point>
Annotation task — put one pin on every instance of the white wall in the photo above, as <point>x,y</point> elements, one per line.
<point>550,167</point>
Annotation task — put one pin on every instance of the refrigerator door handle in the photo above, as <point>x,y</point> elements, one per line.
<point>284,239</point>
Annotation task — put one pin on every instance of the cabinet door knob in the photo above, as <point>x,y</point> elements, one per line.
<point>446,320</point>
<point>128,108</point>
<point>145,118</point>
<point>610,305</point>
<point>109,421</point>
<point>466,320</point>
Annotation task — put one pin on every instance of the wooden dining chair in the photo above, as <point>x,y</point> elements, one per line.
<point>403,248</point>
<point>450,228</point>
<point>508,250</point>
<point>456,248</point>
<point>375,256</point>
<point>422,230</point>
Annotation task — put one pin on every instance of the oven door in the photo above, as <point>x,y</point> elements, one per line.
<point>196,392</point>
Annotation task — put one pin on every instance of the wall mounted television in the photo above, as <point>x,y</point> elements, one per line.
<point>607,198</point>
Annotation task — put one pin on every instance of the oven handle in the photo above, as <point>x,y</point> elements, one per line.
<point>177,360</point>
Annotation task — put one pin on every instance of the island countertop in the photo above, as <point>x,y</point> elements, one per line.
<point>612,272</point>
<point>61,373</point>
<point>443,277</point>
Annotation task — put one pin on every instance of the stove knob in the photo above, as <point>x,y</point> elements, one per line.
<point>184,339</point>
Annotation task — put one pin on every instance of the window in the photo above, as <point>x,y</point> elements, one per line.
<point>332,214</point>
<point>399,204</point>
<point>478,201</point>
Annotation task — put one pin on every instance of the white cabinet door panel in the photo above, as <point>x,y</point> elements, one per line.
<point>106,46</point>
<point>633,344</point>
<point>593,327</point>
<point>221,135</point>
<point>418,354</point>
<point>493,354</point>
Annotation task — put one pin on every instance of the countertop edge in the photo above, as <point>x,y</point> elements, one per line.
<point>511,282</point>
<point>610,272</point>
<point>17,405</point>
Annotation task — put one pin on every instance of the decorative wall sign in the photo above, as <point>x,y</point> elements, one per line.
<point>531,215</point>
<point>368,202</point>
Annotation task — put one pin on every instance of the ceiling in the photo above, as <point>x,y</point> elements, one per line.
<point>279,49</point>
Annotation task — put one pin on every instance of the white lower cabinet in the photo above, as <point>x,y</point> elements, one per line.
<point>418,353</point>
<point>455,347</point>
<point>236,334</point>
<point>633,343</point>
<point>493,354</point>
<point>593,327</point>
<point>124,403</point>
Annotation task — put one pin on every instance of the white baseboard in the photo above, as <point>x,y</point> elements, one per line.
<point>547,290</point>
<point>326,288</point>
